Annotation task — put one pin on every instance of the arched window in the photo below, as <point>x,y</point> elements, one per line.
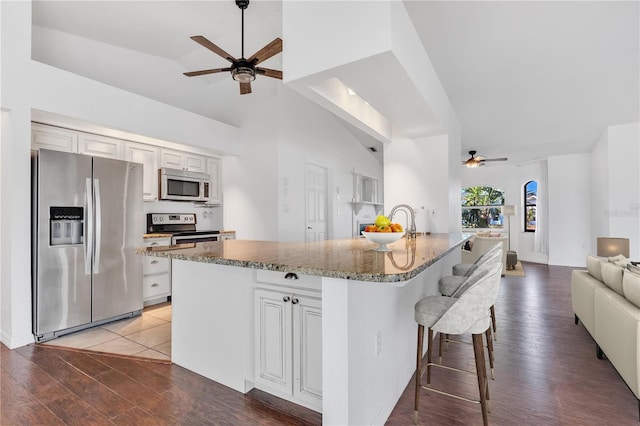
<point>530,205</point>
<point>482,207</point>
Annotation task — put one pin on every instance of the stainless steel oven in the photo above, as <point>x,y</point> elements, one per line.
<point>181,226</point>
<point>181,185</point>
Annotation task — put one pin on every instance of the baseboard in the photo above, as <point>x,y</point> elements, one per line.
<point>13,342</point>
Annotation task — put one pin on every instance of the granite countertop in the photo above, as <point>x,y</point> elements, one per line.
<point>352,258</point>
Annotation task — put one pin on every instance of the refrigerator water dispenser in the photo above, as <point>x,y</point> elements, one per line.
<point>66,225</point>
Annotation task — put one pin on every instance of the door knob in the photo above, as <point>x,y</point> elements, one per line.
<point>286,299</point>
<point>295,301</point>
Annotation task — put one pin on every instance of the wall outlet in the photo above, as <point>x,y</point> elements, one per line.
<point>434,213</point>
<point>378,342</point>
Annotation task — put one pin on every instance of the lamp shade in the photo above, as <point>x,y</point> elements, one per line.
<point>608,247</point>
<point>508,210</point>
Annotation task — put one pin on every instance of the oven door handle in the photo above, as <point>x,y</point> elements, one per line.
<point>194,239</point>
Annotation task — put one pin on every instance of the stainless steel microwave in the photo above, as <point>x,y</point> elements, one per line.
<point>181,185</point>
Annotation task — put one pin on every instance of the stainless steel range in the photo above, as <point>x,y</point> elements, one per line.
<point>181,226</point>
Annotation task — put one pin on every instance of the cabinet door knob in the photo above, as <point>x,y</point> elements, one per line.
<point>286,299</point>
<point>155,285</point>
<point>291,276</point>
<point>294,301</point>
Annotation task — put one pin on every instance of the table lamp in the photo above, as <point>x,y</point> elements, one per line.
<point>609,247</point>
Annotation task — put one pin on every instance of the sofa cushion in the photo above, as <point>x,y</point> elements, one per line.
<point>619,260</point>
<point>612,277</point>
<point>617,333</point>
<point>594,264</point>
<point>631,287</point>
<point>633,268</point>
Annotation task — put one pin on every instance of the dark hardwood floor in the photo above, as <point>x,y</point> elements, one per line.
<point>547,373</point>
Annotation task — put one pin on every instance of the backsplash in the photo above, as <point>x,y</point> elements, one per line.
<point>209,217</point>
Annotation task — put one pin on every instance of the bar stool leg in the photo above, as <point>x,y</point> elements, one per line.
<point>442,339</point>
<point>493,322</point>
<point>481,370</point>
<point>418,372</point>
<point>429,353</point>
<point>490,352</point>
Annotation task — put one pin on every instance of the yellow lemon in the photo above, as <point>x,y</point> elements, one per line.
<point>382,221</point>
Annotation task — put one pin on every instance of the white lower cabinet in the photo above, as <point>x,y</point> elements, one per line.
<point>156,279</point>
<point>289,344</point>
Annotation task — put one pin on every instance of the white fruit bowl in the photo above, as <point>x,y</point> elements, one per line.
<point>383,238</point>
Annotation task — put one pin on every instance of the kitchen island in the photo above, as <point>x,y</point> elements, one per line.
<point>328,325</point>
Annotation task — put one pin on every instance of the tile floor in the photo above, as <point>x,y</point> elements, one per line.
<point>147,336</point>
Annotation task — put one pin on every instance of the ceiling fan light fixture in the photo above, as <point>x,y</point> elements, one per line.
<point>472,164</point>
<point>243,74</point>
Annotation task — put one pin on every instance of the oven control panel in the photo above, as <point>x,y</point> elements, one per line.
<point>172,218</point>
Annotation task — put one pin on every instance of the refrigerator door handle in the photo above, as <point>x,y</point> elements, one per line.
<point>98,226</point>
<point>88,231</point>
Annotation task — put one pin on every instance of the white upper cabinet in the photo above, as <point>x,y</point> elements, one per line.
<point>183,161</point>
<point>215,196</point>
<point>54,138</point>
<point>100,146</point>
<point>152,157</point>
<point>148,156</point>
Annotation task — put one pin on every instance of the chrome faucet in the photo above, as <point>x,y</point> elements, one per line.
<point>409,212</point>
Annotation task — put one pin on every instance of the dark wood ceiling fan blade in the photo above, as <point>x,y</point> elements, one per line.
<point>266,52</point>
<point>245,88</point>
<point>212,47</point>
<point>203,72</point>
<point>495,159</point>
<point>269,72</point>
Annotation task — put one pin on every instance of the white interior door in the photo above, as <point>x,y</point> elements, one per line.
<point>316,201</point>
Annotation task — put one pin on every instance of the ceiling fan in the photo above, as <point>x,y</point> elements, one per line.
<point>478,161</point>
<point>242,70</point>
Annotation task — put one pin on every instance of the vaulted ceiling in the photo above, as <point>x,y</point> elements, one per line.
<point>526,79</point>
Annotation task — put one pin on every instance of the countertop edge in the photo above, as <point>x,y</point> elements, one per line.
<point>170,253</point>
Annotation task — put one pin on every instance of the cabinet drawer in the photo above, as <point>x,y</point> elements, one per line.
<point>155,265</point>
<point>156,286</point>
<point>160,241</point>
<point>295,280</point>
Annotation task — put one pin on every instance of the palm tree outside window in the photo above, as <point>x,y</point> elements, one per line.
<point>530,205</point>
<point>482,207</point>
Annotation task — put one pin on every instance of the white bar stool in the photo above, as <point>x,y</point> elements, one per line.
<point>467,314</point>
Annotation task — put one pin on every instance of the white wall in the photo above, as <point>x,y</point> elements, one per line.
<point>599,190</point>
<point>624,184</point>
<point>569,209</point>
<point>305,29</point>
<point>308,133</point>
<point>250,191</point>
<point>416,173</point>
<point>15,285</point>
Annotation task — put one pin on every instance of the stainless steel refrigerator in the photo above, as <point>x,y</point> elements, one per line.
<point>87,220</point>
